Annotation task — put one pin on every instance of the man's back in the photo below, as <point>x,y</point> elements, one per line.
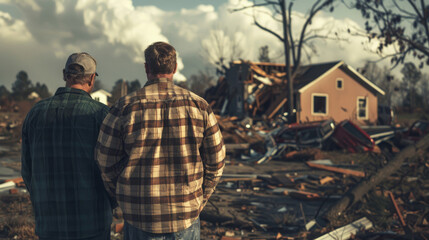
<point>174,156</point>
<point>59,136</point>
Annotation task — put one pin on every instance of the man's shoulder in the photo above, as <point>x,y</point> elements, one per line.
<point>193,96</point>
<point>42,104</point>
<point>127,99</point>
<point>97,105</point>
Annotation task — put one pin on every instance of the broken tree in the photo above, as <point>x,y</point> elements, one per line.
<point>355,194</point>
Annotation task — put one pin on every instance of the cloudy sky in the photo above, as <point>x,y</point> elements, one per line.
<point>38,35</point>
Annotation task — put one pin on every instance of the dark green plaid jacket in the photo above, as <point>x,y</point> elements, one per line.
<point>58,139</point>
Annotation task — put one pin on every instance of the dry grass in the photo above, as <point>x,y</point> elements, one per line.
<point>16,214</point>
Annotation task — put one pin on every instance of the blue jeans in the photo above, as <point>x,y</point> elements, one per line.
<point>191,233</point>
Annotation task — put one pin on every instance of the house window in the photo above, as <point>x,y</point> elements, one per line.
<point>320,104</point>
<point>362,108</point>
<point>339,85</point>
<point>97,99</point>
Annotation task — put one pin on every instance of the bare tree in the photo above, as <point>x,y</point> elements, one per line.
<point>264,54</point>
<point>403,24</point>
<point>382,77</point>
<point>200,82</point>
<point>221,48</point>
<point>424,90</point>
<point>412,76</point>
<point>294,42</point>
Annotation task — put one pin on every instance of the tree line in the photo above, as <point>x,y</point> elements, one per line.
<point>22,88</point>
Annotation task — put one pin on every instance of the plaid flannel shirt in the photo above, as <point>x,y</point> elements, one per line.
<point>161,153</point>
<point>58,166</point>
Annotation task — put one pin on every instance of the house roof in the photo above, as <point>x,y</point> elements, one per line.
<point>310,74</point>
<point>104,92</point>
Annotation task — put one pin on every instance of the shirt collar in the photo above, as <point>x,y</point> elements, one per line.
<point>63,90</point>
<point>158,80</point>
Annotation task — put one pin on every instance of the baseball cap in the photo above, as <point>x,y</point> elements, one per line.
<point>83,59</point>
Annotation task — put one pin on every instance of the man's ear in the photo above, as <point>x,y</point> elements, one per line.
<point>92,82</point>
<point>64,75</point>
<point>146,68</point>
<point>175,69</point>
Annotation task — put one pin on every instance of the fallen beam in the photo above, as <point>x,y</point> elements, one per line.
<point>398,212</point>
<point>336,169</point>
<point>356,193</point>
<point>347,231</point>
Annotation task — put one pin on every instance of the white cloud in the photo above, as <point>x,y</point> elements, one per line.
<point>13,30</point>
<point>115,32</point>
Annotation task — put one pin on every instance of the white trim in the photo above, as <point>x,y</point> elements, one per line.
<point>320,77</point>
<point>342,84</point>
<point>366,108</point>
<point>366,80</point>
<point>103,92</point>
<point>326,104</point>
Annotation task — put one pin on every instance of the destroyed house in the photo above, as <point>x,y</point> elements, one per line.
<point>331,90</point>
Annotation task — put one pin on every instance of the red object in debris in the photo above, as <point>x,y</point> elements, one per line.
<point>351,137</point>
<point>119,227</point>
<point>18,181</point>
<point>13,191</point>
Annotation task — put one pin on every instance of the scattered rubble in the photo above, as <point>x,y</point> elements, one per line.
<point>306,181</point>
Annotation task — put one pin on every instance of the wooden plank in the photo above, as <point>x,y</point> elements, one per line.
<point>326,179</point>
<point>277,107</point>
<point>336,169</point>
<point>16,180</point>
<point>347,231</point>
<point>398,212</point>
<point>261,72</point>
<point>304,195</point>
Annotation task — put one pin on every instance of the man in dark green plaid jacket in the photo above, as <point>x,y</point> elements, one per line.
<point>58,139</point>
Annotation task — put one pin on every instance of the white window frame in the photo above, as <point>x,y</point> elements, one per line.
<point>358,108</point>
<point>326,104</point>
<point>342,84</point>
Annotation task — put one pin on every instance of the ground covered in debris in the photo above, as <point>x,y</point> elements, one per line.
<point>285,196</point>
<point>281,199</point>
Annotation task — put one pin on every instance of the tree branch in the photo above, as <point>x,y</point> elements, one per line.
<point>268,30</point>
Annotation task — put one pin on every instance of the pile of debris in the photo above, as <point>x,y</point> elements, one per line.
<point>260,142</point>
<point>263,91</point>
<point>10,126</point>
<point>361,196</point>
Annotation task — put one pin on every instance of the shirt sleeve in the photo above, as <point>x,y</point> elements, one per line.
<point>213,156</point>
<point>26,162</point>
<point>109,151</point>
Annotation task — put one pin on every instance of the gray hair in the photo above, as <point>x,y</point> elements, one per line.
<point>77,78</point>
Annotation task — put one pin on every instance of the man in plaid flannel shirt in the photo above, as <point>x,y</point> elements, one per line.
<point>161,153</point>
<point>58,167</point>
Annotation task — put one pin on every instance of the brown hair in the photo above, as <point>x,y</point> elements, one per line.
<point>160,58</point>
<point>75,77</point>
